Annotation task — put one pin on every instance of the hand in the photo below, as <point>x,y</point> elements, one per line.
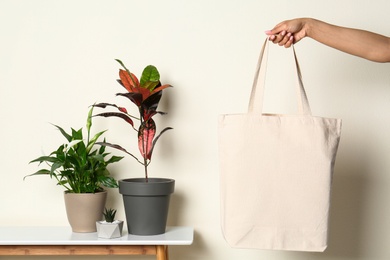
<point>288,32</point>
<point>283,38</point>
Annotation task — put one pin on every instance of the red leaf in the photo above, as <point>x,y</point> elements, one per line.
<point>161,88</point>
<point>145,138</point>
<point>122,109</point>
<point>129,81</point>
<point>116,114</point>
<point>145,93</point>
<point>136,98</point>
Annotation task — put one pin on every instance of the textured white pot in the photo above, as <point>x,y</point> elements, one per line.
<point>109,230</point>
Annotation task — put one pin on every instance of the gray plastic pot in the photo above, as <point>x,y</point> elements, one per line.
<point>146,204</point>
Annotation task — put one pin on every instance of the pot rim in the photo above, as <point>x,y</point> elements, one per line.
<point>139,187</point>
<point>150,180</point>
<point>84,193</point>
<point>103,222</point>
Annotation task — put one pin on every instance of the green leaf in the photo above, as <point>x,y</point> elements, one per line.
<point>150,74</point>
<point>77,134</point>
<point>74,167</point>
<point>151,85</point>
<point>132,78</point>
<point>54,167</point>
<point>67,136</point>
<point>109,215</point>
<point>97,157</point>
<point>71,145</point>
<point>45,159</point>
<point>93,140</point>
<point>40,172</point>
<point>114,159</point>
<point>122,64</point>
<point>89,120</point>
<point>108,182</point>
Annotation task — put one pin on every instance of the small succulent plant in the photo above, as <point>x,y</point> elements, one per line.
<point>109,215</point>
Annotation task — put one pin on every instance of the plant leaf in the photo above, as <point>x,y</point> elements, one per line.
<point>108,181</point>
<point>162,87</point>
<point>104,105</point>
<point>93,140</point>
<point>116,146</point>
<point>145,138</point>
<point>77,134</point>
<point>155,140</point>
<point>150,85</point>
<point>151,103</point>
<point>54,167</point>
<point>114,159</point>
<point>40,172</point>
<point>67,136</point>
<point>71,145</point>
<point>136,98</point>
<point>116,114</point>
<point>45,159</point>
<point>89,120</point>
<point>129,80</point>
<point>149,74</point>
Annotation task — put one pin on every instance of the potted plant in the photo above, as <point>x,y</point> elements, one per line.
<point>146,199</point>
<point>109,228</point>
<point>82,170</point>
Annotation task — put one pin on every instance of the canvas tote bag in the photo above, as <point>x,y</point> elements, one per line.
<point>276,173</point>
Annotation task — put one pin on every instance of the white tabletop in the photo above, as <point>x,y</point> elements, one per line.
<point>65,236</point>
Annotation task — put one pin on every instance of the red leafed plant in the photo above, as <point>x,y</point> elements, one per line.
<point>145,94</point>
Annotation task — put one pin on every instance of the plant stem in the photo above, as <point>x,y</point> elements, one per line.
<point>146,170</point>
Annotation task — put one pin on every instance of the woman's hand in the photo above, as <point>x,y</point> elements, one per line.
<point>289,32</point>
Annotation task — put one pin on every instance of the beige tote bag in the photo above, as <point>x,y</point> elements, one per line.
<point>276,173</point>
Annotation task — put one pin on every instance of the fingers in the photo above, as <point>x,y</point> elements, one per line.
<point>283,38</point>
<point>279,28</point>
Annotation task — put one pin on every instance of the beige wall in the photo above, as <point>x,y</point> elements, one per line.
<point>57,58</point>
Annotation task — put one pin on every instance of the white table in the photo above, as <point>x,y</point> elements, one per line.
<point>62,241</point>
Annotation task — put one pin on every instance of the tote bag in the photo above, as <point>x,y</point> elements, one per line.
<point>276,173</point>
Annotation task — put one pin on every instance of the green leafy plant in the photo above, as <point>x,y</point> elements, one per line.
<point>109,215</point>
<point>146,94</point>
<point>77,165</point>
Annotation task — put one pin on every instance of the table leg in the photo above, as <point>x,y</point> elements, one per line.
<point>162,252</point>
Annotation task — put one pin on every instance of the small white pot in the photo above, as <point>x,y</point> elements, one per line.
<point>109,230</point>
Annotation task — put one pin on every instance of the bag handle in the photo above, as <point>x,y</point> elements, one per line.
<point>256,98</point>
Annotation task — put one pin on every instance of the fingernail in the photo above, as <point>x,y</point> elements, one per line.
<point>268,32</point>
<point>283,33</point>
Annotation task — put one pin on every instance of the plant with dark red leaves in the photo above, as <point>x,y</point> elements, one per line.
<point>145,94</point>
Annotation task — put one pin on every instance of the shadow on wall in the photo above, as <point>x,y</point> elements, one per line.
<point>349,198</point>
<point>178,205</point>
<point>350,185</point>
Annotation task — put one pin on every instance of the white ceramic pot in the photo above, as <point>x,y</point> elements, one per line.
<point>109,229</point>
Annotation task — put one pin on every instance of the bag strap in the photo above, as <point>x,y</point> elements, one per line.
<point>256,98</point>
